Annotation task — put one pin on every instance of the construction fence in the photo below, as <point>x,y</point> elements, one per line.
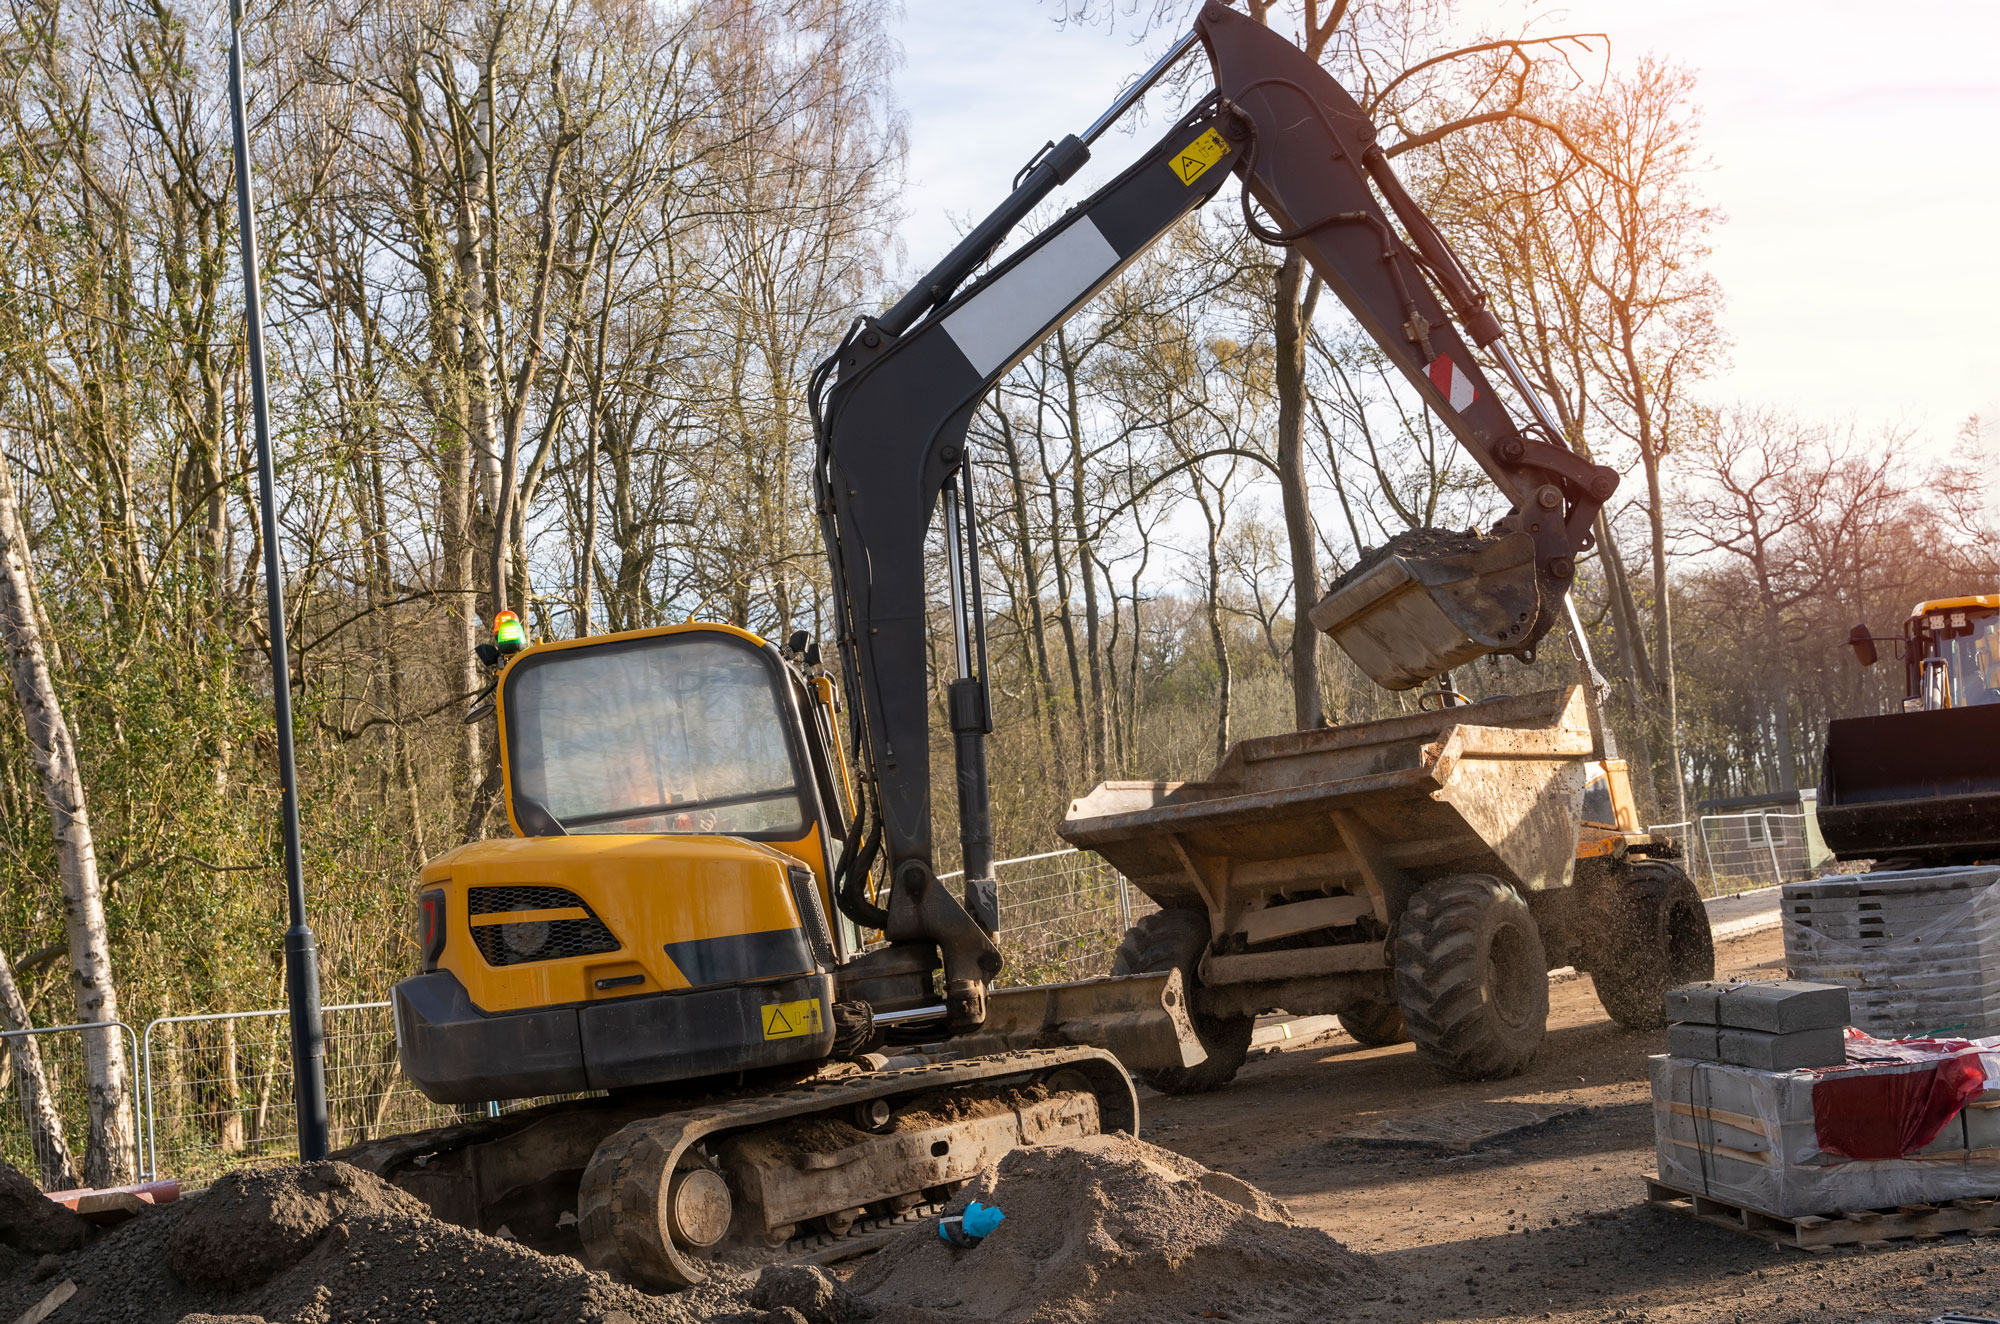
<point>214,1090</point>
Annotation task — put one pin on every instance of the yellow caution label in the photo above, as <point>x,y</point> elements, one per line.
<point>1193,160</point>
<point>791,1020</point>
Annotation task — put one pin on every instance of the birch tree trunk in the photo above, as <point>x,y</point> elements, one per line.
<point>55,1168</point>
<point>108,1157</point>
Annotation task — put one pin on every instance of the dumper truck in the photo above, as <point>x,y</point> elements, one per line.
<point>1417,876</point>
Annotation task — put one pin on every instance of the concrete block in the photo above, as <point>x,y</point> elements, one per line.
<point>1694,1004</point>
<point>1783,1006</point>
<point>1700,1043</point>
<point>1762,1051</point>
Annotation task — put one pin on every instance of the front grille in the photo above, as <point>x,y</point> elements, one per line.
<point>535,940</point>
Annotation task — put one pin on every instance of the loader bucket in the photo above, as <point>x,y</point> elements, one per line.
<point>1922,784</point>
<point>1412,616</point>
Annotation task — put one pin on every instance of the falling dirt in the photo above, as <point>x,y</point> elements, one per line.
<point>1414,543</point>
<point>1112,1230</point>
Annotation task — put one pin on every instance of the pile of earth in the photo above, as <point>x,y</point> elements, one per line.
<point>318,1244</point>
<point>1418,543</point>
<point>1102,1231</point>
<point>1112,1230</point>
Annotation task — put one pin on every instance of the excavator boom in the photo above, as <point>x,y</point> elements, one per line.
<point>894,403</point>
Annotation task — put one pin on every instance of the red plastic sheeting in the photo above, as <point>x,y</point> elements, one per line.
<point>1887,1114</point>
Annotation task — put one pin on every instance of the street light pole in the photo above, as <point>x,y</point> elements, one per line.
<point>301,958</point>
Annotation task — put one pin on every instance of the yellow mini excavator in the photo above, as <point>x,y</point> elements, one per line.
<point>679,929</point>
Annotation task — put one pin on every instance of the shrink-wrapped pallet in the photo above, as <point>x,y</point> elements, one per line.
<point>1786,1143</point>
<point>1918,949</point>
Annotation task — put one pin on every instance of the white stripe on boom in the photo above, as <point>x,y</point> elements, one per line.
<point>1002,320</point>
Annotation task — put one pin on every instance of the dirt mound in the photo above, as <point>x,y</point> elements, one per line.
<point>327,1242</point>
<point>30,1222</point>
<point>250,1225</point>
<point>1413,542</point>
<point>1112,1230</point>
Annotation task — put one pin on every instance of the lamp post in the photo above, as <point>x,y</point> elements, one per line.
<point>301,957</point>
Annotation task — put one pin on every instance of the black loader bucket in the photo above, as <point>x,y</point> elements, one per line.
<point>1415,614</point>
<point>1923,785</point>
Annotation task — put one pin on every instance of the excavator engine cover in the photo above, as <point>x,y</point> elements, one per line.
<point>1409,617</point>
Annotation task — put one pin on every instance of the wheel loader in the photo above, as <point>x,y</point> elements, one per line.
<point>739,949</point>
<point>1920,788</point>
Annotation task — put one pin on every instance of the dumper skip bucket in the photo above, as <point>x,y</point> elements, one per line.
<point>1411,617</point>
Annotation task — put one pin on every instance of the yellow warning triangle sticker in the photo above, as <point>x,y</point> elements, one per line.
<point>1189,167</point>
<point>775,1024</point>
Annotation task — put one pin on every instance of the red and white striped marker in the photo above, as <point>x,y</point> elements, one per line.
<point>1451,382</point>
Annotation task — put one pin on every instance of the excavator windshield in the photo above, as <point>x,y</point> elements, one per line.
<point>666,733</point>
<point>1959,650</point>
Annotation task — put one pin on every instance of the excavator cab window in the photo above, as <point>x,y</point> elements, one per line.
<point>672,733</point>
<point>1959,652</point>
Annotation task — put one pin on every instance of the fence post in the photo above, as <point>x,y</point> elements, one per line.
<point>1124,904</point>
<point>1770,847</point>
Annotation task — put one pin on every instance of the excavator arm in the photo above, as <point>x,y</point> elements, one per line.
<point>893,404</point>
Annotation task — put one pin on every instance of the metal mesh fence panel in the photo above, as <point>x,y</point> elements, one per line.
<point>1061,916</point>
<point>1760,848</point>
<point>45,1102</point>
<point>219,1088</point>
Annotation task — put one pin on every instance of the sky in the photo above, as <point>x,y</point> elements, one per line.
<point>1855,149</point>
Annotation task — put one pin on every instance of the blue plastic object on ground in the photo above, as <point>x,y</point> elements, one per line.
<point>972,1226</point>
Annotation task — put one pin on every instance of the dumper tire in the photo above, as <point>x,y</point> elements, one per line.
<point>1472,977</point>
<point>1176,940</point>
<point>1375,1024</point>
<point>1657,938</point>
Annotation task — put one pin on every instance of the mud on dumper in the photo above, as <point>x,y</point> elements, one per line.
<point>1416,876</point>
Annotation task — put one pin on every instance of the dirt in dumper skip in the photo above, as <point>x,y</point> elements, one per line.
<point>1103,1231</point>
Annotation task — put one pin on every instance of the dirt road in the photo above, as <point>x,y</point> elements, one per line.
<point>1546,1224</point>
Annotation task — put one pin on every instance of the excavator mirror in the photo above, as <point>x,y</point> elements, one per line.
<point>1863,644</point>
<point>796,644</point>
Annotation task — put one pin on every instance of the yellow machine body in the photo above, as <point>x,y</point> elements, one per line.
<point>630,936</point>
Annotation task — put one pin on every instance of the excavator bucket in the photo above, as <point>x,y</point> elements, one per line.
<point>1417,613</point>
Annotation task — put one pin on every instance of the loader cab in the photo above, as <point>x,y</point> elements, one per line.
<point>1950,650</point>
<point>1952,653</point>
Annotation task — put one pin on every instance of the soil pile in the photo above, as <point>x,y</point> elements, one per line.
<point>1108,1230</point>
<point>1111,1230</point>
<point>325,1243</point>
<point>31,1223</point>
<point>1416,543</point>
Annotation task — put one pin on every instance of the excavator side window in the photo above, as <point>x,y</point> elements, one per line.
<point>673,733</point>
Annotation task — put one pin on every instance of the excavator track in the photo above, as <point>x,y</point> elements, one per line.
<point>664,1196</point>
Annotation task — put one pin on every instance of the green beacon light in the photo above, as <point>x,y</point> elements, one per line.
<point>508,636</point>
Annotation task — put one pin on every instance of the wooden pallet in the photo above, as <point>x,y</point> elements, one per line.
<point>1814,1233</point>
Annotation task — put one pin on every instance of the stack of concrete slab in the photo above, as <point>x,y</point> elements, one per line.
<point>1781,1025</point>
<point>1749,1138</point>
<point>1918,949</point>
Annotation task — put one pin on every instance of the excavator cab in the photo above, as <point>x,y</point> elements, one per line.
<point>662,911</point>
